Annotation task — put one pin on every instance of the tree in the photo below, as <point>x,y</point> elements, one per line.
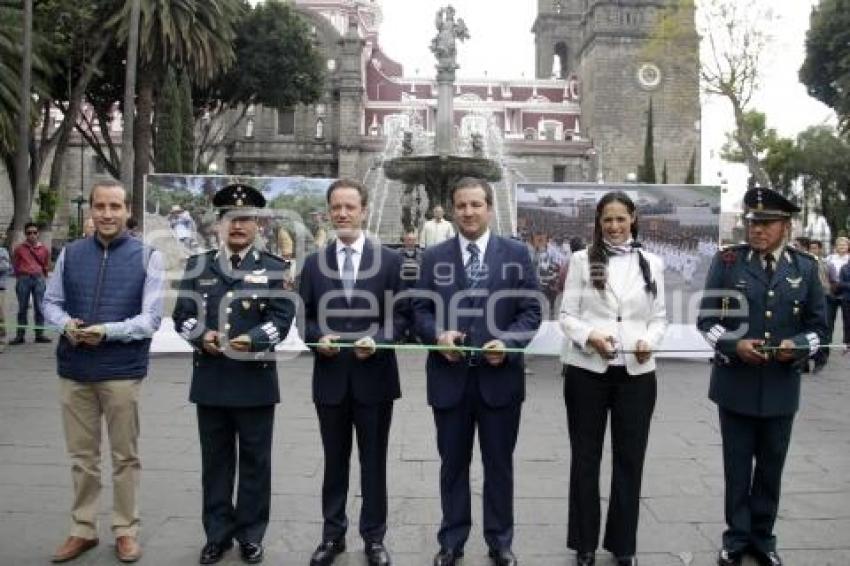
<point>272,41</point>
<point>736,34</point>
<point>169,128</point>
<point>195,35</point>
<point>187,125</point>
<point>824,164</point>
<point>826,68</point>
<point>664,176</point>
<point>646,172</point>
<point>777,156</point>
<point>691,177</point>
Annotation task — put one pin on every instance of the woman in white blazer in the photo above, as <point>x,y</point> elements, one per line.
<point>613,316</point>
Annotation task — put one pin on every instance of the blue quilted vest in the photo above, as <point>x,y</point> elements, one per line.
<point>104,284</point>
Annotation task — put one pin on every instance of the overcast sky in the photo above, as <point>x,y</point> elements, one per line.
<point>502,46</point>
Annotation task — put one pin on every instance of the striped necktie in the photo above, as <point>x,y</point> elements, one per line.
<point>348,272</point>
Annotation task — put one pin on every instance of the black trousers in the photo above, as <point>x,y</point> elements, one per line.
<point>752,491</point>
<point>630,400</point>
<point>498,428</point>
<point>231,436</point>
<point>371,423</point>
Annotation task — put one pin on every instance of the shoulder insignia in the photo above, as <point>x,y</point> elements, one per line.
<point>803,253</point>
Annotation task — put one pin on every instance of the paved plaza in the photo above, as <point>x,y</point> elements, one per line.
<point>681,515</point>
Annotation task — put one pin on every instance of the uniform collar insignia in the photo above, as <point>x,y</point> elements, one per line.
<point>794,281</point>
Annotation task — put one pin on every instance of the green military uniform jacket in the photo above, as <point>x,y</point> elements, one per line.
<point>740,302</point>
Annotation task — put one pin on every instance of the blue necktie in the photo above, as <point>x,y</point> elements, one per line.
<point>474,269</point>
<point>348,272</point>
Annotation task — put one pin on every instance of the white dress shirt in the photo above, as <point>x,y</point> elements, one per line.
<point>356,253</point>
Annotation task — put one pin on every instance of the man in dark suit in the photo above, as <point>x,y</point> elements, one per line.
<point>764,314</point>
<point>348,290</point>
<point>233,310</point>
<point>479,290</point>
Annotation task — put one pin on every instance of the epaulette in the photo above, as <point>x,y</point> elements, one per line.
<point>203,253</point>
<point>803,253</point>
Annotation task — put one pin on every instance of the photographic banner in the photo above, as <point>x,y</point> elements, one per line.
<point>679,223</point>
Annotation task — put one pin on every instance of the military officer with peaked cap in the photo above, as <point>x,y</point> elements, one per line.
<point>763,312</point>
<point>233,310</point>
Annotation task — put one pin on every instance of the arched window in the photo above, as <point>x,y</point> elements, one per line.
<point>560,64</point>
<point>320,128</point>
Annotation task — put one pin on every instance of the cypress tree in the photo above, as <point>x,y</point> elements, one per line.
<point>664,173</point>
<point>187,121</point>
<point>690,179</point>
<point>646,172</point>
<point>167,152</point>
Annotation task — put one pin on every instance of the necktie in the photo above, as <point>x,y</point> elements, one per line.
<point>474,272</point>
<point>348,272</point>
<point>768,265</point>
<point>234,261</point>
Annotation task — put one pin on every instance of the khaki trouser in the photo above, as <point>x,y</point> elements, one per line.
<point>84,405</point>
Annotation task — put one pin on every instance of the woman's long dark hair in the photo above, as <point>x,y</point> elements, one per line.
<point>598,253</point>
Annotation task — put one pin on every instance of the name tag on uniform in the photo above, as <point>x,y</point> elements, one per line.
<point>207,282</point>
<point>251,278</point>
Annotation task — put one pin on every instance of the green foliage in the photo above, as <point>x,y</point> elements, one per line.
<point>169,129</point>
<point>646,171</point>
<point>777,155</point>
<point>824,164</point>
<point>187,123</point>
<point>48,199</point>
<point>691,177</point>
<point>277,64</point>
<point>826,68</point>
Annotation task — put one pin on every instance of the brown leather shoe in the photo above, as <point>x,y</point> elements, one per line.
<point>72,548</point>
<point>127,548</point>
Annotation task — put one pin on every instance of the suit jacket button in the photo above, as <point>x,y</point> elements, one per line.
<point>770,293</point>
<point>767,335</point>
<point>768,314</point>
<point>227,327</point>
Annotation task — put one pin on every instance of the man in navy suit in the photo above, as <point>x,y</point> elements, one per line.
<point>348,289</point>
<point>480,290</point>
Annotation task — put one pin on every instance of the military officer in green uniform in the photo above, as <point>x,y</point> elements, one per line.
<point>763,312</point>
<point>233,310</point>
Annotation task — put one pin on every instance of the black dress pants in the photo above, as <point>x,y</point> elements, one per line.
<point>372,426</point>
<point>752,493</point>
<point>590,397</point>
<point>231,435</point>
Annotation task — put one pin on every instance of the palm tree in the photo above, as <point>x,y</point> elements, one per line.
<point>10,75</point>
<point>195,35</point>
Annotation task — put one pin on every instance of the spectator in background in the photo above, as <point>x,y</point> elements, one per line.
<point>834,262</point>
<point>816,249</point>
<point>133,228</point>
<point>411,259</point>
<point>182,226</point>
<point>31,261</point>
<point>436,230</point>
<point>5,270</point>
<point>88,227</point>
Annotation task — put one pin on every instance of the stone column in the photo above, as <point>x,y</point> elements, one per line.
<point>444,144</point>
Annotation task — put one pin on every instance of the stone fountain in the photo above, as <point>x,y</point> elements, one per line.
<point>437,172</point>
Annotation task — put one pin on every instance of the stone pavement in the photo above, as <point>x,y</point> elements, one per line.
<point>681,513</point>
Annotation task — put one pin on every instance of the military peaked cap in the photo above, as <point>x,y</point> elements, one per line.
<point>766,204</point>
<point>238,195</point>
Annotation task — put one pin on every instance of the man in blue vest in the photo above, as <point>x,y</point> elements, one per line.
<point>763,312</point>
<point>233,310</point>
<point>106,295</point>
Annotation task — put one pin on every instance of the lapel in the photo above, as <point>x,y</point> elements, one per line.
<point>366,263</point>
<point>217,268</point>
<point>457,260</point>
<point>332,265</point>
<point>783,268</point>
<point>493,261</point>
<point>753,262</point>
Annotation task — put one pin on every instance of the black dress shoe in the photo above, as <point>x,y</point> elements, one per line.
<point>327,552</point>
<point>585,558</point>
<point>17,340</point>
<point>768,558</point>
<point>40,339</point>
<point>627,560</point>
<point>447,557</point>
<point>729,557</point>
<point>376,554</point>
<point>504,557</point>
<point>251,552</point>
<point>214,551</point>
